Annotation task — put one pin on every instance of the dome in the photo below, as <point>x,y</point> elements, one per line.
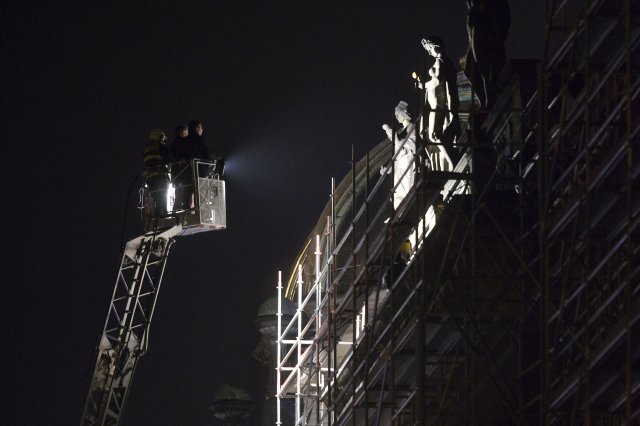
<point>270,307</point>
<point>267,319</point>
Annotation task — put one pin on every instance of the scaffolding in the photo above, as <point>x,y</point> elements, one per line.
<point>588,214</point>
<point>519,303</point>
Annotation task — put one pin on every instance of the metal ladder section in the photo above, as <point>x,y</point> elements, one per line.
<point>125,334</point>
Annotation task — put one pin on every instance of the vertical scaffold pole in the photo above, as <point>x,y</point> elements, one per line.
<point>279,349</point>
<point>354,259</point>
<point>629,213</point>
<point>365,313</point>
<point>299,347</point>
<point>332,302</point>
<point>318,327</point>
<point>318,254</point>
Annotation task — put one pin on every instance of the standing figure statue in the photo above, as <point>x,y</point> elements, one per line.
<point>441,102</point>
<point>488,24</point>
<point>404,153</point>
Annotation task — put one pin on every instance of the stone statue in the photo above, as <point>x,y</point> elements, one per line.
<point>488,24</point>
<point>441,102</point>
<point>404,153</point>
<point>441,95</point>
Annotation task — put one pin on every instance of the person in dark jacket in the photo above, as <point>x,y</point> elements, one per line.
<point>184,149</point>
<point>156,171</point>
<point>192,146</point>
<point>181,133</point>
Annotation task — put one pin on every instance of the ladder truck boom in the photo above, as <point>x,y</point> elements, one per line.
<point>125,335</point>
<point>126,330</point>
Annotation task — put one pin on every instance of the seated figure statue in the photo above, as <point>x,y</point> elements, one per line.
<point>404,153</point>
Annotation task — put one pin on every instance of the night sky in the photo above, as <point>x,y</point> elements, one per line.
<point>284,91</point>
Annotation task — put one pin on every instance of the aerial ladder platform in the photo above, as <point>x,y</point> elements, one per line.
<point>125,335</point>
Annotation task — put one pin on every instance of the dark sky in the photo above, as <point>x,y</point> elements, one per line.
<point>284,90</point>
